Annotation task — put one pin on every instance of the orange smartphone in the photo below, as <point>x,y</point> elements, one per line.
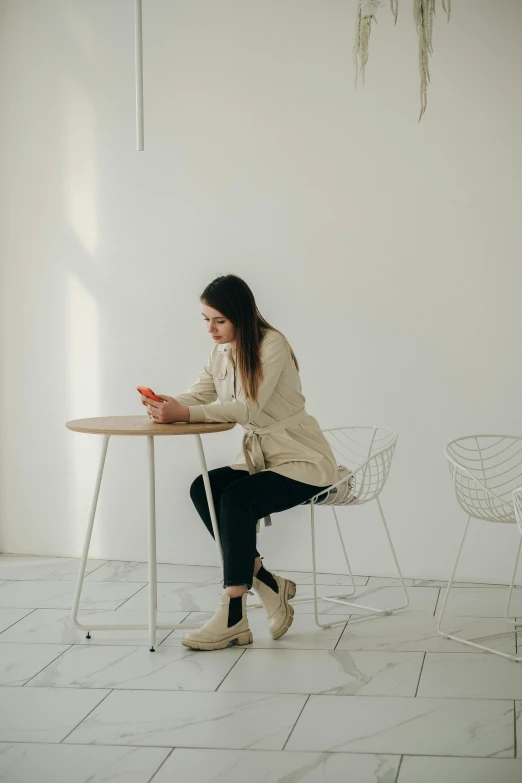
<point>146,392</point>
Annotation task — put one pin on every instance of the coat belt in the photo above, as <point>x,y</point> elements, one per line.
<point>252,443</point>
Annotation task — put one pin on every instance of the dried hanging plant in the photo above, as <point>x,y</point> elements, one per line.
<point>366,10</point>
<point>423,12</point>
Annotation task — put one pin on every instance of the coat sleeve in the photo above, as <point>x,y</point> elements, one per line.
<point>203,391</point>
<point>274,354</point>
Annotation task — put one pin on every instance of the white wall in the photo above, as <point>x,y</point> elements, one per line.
<point>388,252</point>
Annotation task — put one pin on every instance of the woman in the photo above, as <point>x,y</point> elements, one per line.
<point>285,459</point>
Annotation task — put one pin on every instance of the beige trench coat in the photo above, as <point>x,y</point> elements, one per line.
<point>279,433</point>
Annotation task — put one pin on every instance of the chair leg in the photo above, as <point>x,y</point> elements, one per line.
<point>339,599</point>
<point>397,566</point>
<point>314,576</point>
<point>441,615</point>
<point>314,566</point>
<point>87,542</point>
<point>507,616</point>
<point>353,589</point>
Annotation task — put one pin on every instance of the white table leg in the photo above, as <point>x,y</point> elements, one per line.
<point>153,625</point>
<point>210,499</point>
<point>153,584</point>
<point>86,545</point>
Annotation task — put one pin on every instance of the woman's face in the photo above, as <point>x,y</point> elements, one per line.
<point>220,328</point>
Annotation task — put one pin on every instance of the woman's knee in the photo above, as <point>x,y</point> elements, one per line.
<point>219,479</point>
<point>197,488</point>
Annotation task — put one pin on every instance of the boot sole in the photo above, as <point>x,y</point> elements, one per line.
<point>290,590</point>
<point>242,639</point>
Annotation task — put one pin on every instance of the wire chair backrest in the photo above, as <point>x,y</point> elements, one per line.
<point>367,452</point>
<point>517,503</point>
<point>486,469</point>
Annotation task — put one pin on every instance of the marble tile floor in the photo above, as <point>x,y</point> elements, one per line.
<point>383,700</point>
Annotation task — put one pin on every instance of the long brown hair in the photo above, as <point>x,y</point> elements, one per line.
<point>233,298</point>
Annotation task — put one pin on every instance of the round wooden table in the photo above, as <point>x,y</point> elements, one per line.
<point>141,426</point>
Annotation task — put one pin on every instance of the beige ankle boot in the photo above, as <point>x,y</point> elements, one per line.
<point>216,635</point>
<point>280,612</point>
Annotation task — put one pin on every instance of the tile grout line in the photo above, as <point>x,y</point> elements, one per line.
<point>420,674</point>
<point>399,769</point>
<point>256,750</point>
<point>342,633</point>
<point>322,694</point>
<point>104,563</point>
<point>190,585</point>
<point>262,649</point>
<point>173,630</point>
<point>47,666</point>
<point>18,621</point>
<point>226,675</point>
<point>86,716</point>
<point>161,765</point>
<point>393,581</point>
<point>437,603</point>
<point>296,722</point>
<point>143,587</point>
<point>68,608</point>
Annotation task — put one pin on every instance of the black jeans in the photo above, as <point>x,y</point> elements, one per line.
<point>240,500</point>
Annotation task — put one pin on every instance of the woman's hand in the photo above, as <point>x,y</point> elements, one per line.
<point>166,412</point>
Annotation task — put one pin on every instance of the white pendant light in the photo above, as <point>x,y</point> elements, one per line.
<point>139,74</point>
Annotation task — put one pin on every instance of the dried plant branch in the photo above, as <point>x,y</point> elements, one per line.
<point>424,11</point>
<point>424,14</point>
<point>362,39</point>
<point>366,10</point>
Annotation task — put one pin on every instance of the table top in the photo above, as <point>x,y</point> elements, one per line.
<point>142,425</point>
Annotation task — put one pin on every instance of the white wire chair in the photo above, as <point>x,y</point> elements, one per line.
<point>517,503</point>
<point>487,476</point>
<point>366,452</point>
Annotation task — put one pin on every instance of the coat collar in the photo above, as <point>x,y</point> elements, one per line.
<point>225,349</point>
